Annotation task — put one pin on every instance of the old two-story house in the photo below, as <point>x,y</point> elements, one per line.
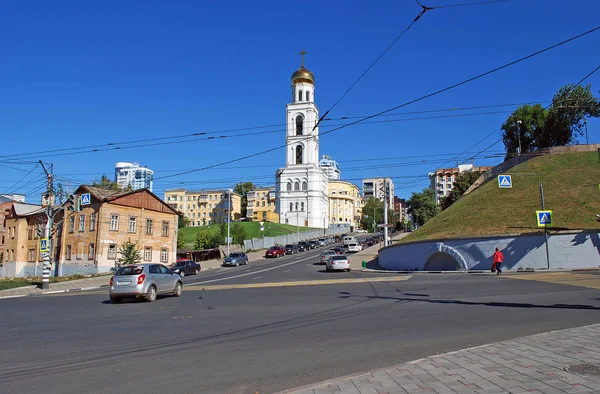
<point>92,235</point>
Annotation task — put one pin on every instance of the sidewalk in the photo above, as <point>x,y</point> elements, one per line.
<point>98,281</point>
<point>369,255</point>
<point>556,362</point>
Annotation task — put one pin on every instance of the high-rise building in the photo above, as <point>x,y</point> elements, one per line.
<point>301,186</point>
<point>376,187</point>
<point>442,180</point>
<point>134,175</point>
<point>330,167</point>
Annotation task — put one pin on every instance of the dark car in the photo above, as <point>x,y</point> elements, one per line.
<point>303,246</point>
<point>369,242</point>
<point>338,250</point>
<point>275,251</point>
<point>291,249</point>
<point>313,244</point>
<point>186,267</point>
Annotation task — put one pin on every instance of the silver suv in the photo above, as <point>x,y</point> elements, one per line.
<point>144,281</point>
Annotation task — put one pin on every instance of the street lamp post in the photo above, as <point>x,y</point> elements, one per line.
<point>519,136</point>
<point>297,221</point>
<point>586,133</point>
<point>228,219</point>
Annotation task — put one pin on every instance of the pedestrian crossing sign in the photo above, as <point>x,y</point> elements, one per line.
<point>504,181</point>
<point>44,245</point>
<point>86,199</point>
<point>544,218</point>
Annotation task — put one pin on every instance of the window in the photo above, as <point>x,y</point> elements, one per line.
<point>112,251</point>
<point>93,222</point>
<point>71,224</point>
<point>114,222</point>
<point>165,229</point>
<point>307,95</point>
<point>302,206</point>
<point>289,186</point>
<point>299,154</point>
<point>149,223</point>
<point>291,206</point>
<point>37,231</point>
<point>304,185</point>
<point>68,253</point>
<point>147,254</point>
<point>91,252</point>
<point>263,203</point>
<point>296,186</point>
<point>296,206</point>
<point>30,232</point>
<point>131,227</point>
<point>299,125</point>
<point>81,223</point>
<point>31,255</point>
<point>164,256</point>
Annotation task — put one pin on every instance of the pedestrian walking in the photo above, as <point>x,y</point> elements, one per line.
<point>498,259</point>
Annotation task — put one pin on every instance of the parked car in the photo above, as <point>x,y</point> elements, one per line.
<point>337,263</point>
<point>291,249</point>
<point>144,281</point>
<point>338,250</point>
<point>369,242</point>
<point>322,242</point>
<point>313,244</point>
<point>186,267</point>
<point>303,246</point>
<point>236,259</point>
<point>275,251</point>
<point>326,255</point>
<point>360,230</point>
<point>353,248</point>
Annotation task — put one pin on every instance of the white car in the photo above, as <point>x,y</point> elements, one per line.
<point>339,262</point>
<point>360,230</point>
<point>353,248</point>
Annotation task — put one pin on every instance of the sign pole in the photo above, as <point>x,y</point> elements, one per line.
<point>545,227</point>
<point>46,253</point>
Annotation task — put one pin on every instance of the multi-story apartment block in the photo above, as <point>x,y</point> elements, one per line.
<point>134,175</point>
<point>204,207</point>
<point>400,209</point>
<point>376,187</point>
<point>261,204</point>
<point>91,237</point>
<point>442,180</point>
<point>345,203</point>
<point>330,167</point>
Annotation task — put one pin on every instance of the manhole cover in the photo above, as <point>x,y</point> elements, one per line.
<point>584,369</point>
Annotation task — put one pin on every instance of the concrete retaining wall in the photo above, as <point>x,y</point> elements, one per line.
<point>567,251</point>
<point>267,242</point>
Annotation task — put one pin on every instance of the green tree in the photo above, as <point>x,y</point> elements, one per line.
<point>129,253</point>
<point>461,184</point>
<point>243,188</point>
<point>106,183</point>
<point>372,214</point>
<point>238,234</point>
<point>223,232</point>
<point>182,221</point>
<point>204,240</point>
<point>422,206</point>
<point>561,124</point>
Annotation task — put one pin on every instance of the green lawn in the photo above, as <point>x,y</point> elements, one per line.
<point>252,230</point>
<point>570,182</point>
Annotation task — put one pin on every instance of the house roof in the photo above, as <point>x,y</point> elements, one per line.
<point>23,209</point>
<point>107,195</point>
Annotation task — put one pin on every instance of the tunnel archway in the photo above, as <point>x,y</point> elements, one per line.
<point>441,261</point>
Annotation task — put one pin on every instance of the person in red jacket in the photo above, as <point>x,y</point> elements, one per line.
<point>498,258</point>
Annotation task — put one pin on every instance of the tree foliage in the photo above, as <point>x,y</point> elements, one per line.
<point>238,234</point>
<point>129,253</point>
<point>461,184</point>
<point>422,206</point>
<point>372,215</point>
<point>561,124</point>
<point>204,240</point>
<point>243,188</point>
<point>106,183</point>
<point>182,221</point>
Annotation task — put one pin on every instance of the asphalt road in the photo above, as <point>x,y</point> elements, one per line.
<point>268,339</point>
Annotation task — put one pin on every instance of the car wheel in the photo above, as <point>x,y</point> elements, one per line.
<point>197,271</point>
<point>116,300</point>
<point>237,264</point>
<point>182,274</point>
<point>151,294</point>
<point>178,289</point>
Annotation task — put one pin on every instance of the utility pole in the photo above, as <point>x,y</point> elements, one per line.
<point>228,219</point>
<point>385,211</point>
<point>519,136</point>
<point>586,133</point>
<point>46,242</point>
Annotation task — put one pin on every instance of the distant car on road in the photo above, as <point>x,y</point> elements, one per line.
<point>338,263</point>
<point>360,230</point>
<point>338,250</point>
<point>144,281</point>
<point>353,248</point>
<point>326,255</point>
<point>313,244</point>
<point>291,249</point>
<point>186,267</point>
<point>303,246</point>
<point>236,259</point>
<point>275,251</point>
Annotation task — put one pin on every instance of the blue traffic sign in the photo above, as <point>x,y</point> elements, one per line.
<point>504,181</point>
<point>544,218</point>
<point>44,245</point>
<point>86,199</point>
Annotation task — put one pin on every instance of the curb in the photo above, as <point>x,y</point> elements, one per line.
<point>54,292</point>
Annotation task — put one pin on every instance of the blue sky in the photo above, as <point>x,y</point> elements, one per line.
<point>77,74</point>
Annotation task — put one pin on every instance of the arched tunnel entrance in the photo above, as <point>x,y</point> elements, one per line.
<point>441,261</point>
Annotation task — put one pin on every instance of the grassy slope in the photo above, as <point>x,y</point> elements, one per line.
<point>252,230</point>
<point>570,184</point>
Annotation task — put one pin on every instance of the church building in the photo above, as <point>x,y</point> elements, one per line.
<point>302,186</point>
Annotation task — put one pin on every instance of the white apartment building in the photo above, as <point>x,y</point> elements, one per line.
<point>134,175</point>
<point>330,167</point>
<point>442,180</point>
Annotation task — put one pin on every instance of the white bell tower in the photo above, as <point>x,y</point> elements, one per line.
<point>302,195</point>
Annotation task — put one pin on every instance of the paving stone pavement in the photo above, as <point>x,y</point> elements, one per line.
<point>532,364</point>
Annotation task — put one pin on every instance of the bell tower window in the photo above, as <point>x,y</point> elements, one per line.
<point>307,95</point>
<point>299,154</point>
<point>289,186</point>
<point>300,95</point>
<point>299,125</point>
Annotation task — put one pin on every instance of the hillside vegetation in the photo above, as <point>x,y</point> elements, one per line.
<point>571,189</point>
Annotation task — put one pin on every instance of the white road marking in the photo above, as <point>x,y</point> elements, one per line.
<point>287,271</point>
<point>258,277</point>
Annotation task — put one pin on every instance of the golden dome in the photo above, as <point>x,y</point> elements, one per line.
<point>303,75</point>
